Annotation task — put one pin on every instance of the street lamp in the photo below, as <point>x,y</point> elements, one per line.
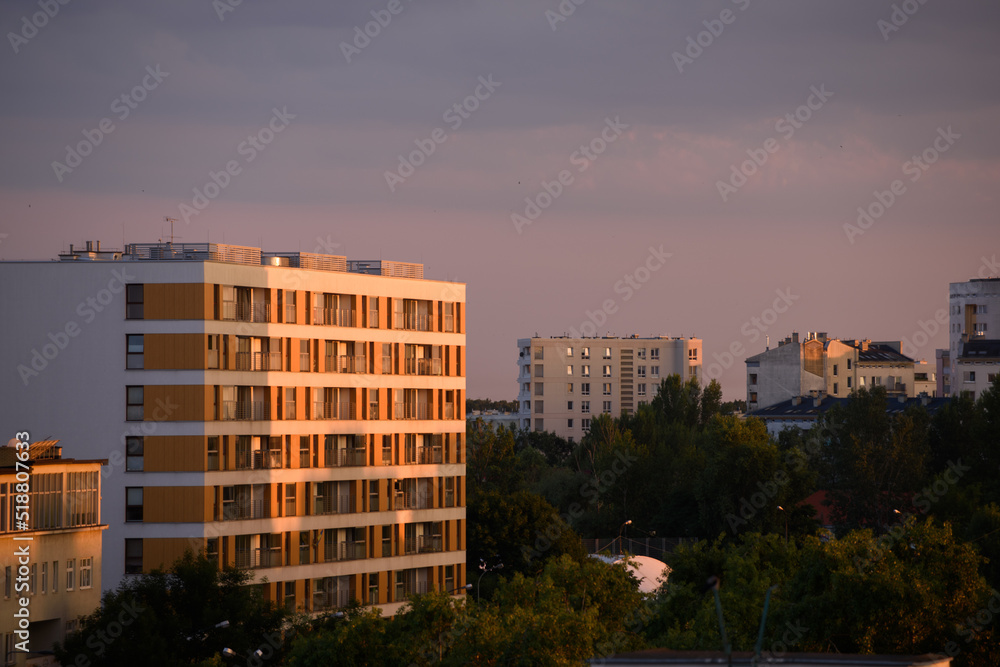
<point>485,569</point>
<point>620,529</point>
<point>467,587</point>
<point>786,522</point>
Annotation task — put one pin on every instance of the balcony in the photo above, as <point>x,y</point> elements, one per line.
<point>344,458</point>
<point>250,509</point>
<point>449,410</point>
<point>430,455</point>
<point>413,322</point>
<point>428,367</point>
<point>341,410</point>
<point>406,591</point>
<point>343,504</point>
<point>429,544</point>
<point>290,313</point>
<point>412,500</point>
<point>246,410</point>
<point>386,365</point>
<point>387,456</point>
<point>258,459</point>
<point>341,317</point>
<point>373,410</point>
<point>449,323</point>
<point>373,318</point>
<point>351,551</point>
<point>412,411</point>
<point>258,558</point>
<point>352,364</point>
<point>258,361</point>
<point>328,600</point>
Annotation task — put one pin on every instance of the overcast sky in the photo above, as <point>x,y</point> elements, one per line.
<point>737,137</point>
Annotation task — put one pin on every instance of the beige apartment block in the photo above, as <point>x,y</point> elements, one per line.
<point>977,367</point>
<point>297,414</point>
<point>973,313</point>
<point>837,367</point>
<point>53,559</point>
<point>564,381</point>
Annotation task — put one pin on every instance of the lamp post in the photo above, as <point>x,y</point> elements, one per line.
<point>620,529</point>
<point>466,588</point>
<point>485,569</point>
<point>786,522</point>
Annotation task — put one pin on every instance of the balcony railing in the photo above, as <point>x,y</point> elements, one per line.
<point>449,323</point>
<point>412,500</point>
<point>249,509</point>
<point>290,313</point>
<point>334,504</point>
<point>341,458</point>
<point>258,361</point>
<point>329,363</point>
<point>246,410</point>
<point>413,322</point>
<point>387,456</point>
<point>412,411</point>
<point>289,410</point>
<point>303,361</point>
<point>351,551</point>
<point>373,410</point>
<point>373,318</point>
<point>386,365</point>
<point>334,599</point>
<point>430,455</point>
<point>406,591</point>
<point>449,410</point>
<point>258,558</point>
<point>428,367</point>
<point>341,317</point>
<point>352,364</point>
<point>341,410</point>
<point>429,544</point>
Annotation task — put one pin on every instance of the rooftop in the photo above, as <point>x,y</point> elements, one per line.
<point>981,348</point>
<point>810,407</point>
<point>238,254</point>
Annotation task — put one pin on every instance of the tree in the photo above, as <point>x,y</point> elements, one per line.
<point>170,618</point>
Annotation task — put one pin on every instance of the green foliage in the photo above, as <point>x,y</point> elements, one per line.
<point>486,404</point>
<point>169,618</point>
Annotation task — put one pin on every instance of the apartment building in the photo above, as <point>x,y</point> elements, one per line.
<point>835,367</point>
<point>293,413</point>
<point>973,312</point>
<point>565,381</point>
<point>977,367</point>
<point>62,536</point>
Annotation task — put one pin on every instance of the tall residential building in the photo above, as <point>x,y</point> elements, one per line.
<point>973,312</point>
<point>565,381</point>
<point>293,413</point>
<point>837,367</point>
<point>58,545</point>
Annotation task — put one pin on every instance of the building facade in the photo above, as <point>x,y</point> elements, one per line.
<point>977,367</point>
<point>291,413</point>
<point>564,381</point>
<point>61,536</point>
<point>836,367</point>
<point>973,312</point>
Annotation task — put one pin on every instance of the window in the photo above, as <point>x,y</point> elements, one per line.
<point>134,447</point>
<point>641,353</point>
<point>835,388</point>
<point>569,423</point>
<point>606,371</point>
<point>654,371</point>
<point>585,388</point>
<point>32,578</point>
<point>45,577</point>
<point>539,389</point>
<point>539,424</point>
<point>569,406</point>
<point>849,382</point>
<point>539,370</point>
<point>981,310</point>
<point>979,327</point>
<point>86,567</point>
<point>585,371</point>
<point>290,499</point>
<point>753,397</point>
<point>585,407</point>
<point>861,381</point>
<point>693,354</point>
<point>539,407</point>
<point>569,352</point>
<point>848,364</point>
<point>70,574</point>
<point>753,378</point>
<point>585,423</point>
<point>607,353</point>
<point>133,557</point>
<point>969,376</point>
<point>133,302</point>
<point>133,351</point>
<point>569,387</point>
<point>303,451</point>
<point>654,353</point>
<point>213,453</point>
<point>607,407</point>
<point>133,403</point>
<point>640,371</point>
<point>55,576</point>
<point>133,503</point>
<point>569,370</point>
<point>641,389</point>
<point>8,582</point>
<point>607,389</point>
<point>585,353</point>
<point>835,373</point>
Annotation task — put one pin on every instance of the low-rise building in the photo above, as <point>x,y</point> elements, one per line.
<point>50,548</point>
<point>976,367</point>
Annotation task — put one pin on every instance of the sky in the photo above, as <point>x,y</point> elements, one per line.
<point>728,170</point>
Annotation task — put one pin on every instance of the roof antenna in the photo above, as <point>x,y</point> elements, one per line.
<point>171,221</point>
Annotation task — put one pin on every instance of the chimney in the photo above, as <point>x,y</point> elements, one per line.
<point>796,400</point>
<point>795,336</point>
<point>90,246</point>
<point>817,401</point>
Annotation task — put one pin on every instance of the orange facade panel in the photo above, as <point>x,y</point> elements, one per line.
<point>163,552</point>
<point>174,453</point>
<point>178,403</point>
<point>177,504</point>
<point>175,351</point>
<point>178,301</point>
